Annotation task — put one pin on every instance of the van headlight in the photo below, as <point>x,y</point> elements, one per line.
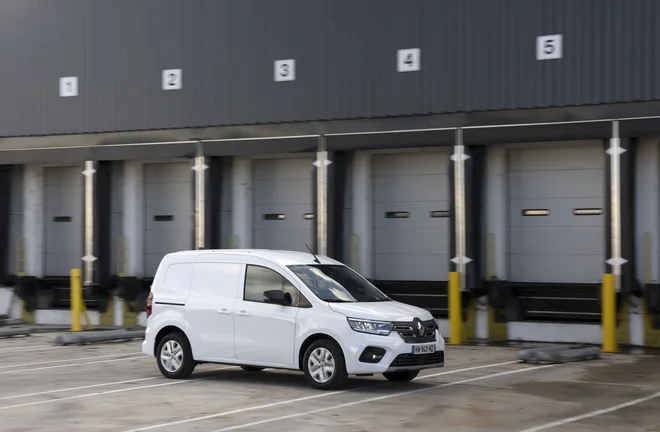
<point>382,328</point>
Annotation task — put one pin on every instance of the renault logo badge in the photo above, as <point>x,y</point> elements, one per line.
<point>420,327</point>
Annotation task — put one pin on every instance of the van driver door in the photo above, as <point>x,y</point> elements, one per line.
<point>265,332</point>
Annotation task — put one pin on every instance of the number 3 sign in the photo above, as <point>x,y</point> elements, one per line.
<point>549,47</point>
<point>285,70</point>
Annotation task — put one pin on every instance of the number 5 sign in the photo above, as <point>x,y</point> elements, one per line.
<point>549,47</point>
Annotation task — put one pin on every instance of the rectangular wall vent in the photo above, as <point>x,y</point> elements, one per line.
<point>587,211</point>
<point>62,219</point>
<point>397,215</point>
<point>163,218</point>
<point>274,216</point>
<point>536,212</point>
<point>440,214</point>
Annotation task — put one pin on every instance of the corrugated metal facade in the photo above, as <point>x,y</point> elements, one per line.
<point>476,55</point>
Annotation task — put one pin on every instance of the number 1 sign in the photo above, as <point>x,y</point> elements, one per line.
<point>68,86</point>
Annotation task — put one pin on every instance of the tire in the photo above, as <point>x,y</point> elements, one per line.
<point>252,368</point>
<point>186,364</point>
<point>330,354</point>
<point>401,376</point>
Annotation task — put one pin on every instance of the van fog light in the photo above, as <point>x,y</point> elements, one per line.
<point>372,355</point>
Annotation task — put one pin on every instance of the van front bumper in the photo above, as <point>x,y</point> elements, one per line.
<point>398,355</point>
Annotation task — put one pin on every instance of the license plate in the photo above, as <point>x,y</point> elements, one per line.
<point>423,349</point>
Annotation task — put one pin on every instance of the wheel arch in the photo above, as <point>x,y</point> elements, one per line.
<point>310,340</point>
<point>164,332</point>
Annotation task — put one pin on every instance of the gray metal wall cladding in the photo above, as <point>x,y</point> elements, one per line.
<point>475,55</point>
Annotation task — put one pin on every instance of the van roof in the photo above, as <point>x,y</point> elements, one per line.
<point>281,257</point>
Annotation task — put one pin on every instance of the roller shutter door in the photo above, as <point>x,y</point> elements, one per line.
<point>64,220</point>
<point>554,237</point>
<point>283,203</point>
<point>411,242</point>
<point>169,211</point>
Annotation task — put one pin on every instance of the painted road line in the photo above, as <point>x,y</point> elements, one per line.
<point>68,360</point>
<point>33,347</point>
<point>593,413</point>
<point>89,395</point>
<point>143,357</point>
<point>379,398</point>
<point>301,399</point>
<point>79,388</point>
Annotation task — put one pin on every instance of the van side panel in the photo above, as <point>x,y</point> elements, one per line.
<point>210,307</point>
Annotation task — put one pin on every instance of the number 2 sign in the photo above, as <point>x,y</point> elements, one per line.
<point>172,79</point>
<point>549,47</point>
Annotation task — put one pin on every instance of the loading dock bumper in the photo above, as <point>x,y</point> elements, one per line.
<point>559,353</point>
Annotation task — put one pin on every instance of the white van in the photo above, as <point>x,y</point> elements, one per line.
<point>279,309</point>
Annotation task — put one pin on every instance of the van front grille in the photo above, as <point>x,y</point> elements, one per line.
<point>409,333</point>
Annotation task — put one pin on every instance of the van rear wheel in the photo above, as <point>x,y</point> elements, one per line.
<point>324,365</point>
<point>174,356</point>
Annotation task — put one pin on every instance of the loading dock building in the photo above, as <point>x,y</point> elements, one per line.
<point>513,143</point>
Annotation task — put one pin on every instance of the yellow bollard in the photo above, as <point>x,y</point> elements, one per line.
<point>455,318</point>
<point>76,300</point>
<point>608,314</point>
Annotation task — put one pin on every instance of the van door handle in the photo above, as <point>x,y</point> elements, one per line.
<point>243,313</point>
<point>224,311</point>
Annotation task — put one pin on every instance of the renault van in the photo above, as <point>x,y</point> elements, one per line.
<point>262,309</point>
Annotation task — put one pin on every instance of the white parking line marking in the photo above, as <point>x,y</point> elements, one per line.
<point>68,360</point>
<point>592,414</point>
<point>78,388</point>
<point>88,395</point>
<point>143,357</point>
<point>26,348</point>
<point>378,398</point>
<point>301,399</point>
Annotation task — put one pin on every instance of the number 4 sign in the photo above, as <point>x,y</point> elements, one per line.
<point>408,60</point>
<point>549,47</point>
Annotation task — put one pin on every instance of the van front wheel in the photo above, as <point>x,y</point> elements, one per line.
<point>324,365</point>
<point>175,356</point>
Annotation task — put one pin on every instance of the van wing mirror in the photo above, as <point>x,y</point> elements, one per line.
<point>277,297</point>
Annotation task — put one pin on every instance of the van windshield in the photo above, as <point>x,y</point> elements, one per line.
<point>338,284</point>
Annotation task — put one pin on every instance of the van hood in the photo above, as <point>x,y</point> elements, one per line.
<point>381,311</point>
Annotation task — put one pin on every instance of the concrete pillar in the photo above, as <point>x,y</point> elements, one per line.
<point>33,219</point>
<point>496,238</point>
<point>647,236</point>
<point>497,201</point>
<point>361,256</point>
<point>133,218</point>
<point>241,226</point>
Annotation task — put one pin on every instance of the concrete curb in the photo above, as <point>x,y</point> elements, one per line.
<point>100,336</point>
<point>12,332</point>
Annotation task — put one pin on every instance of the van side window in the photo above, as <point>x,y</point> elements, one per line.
<point>259,279</point>
<point>177,279</point>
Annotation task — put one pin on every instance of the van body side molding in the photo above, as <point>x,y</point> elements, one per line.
<point>169,303</point>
